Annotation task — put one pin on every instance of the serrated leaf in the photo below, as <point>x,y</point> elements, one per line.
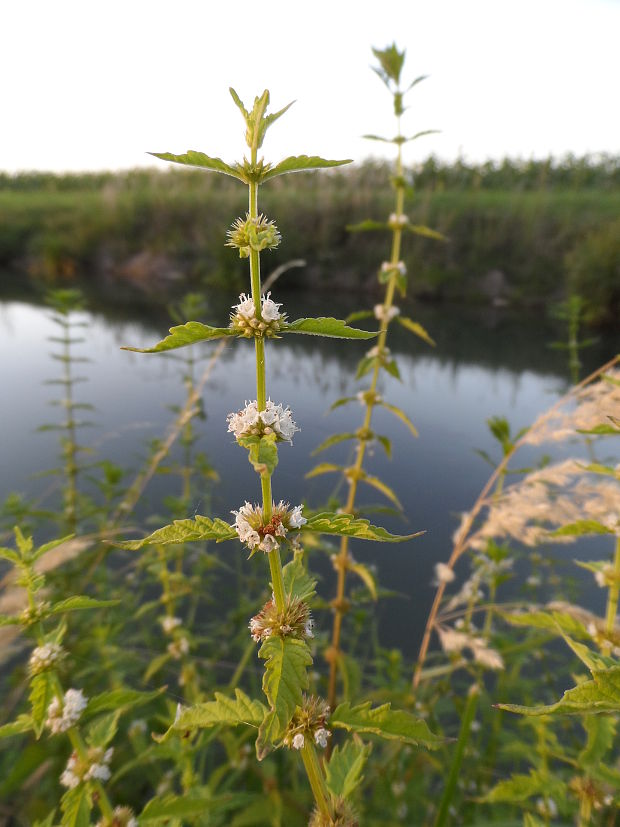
<point>299,163</point>
<point>185,531</point>
<point>297,580</point>
<point>600,695</point>
<point>601,730</point>
<point>580,528</point>
<point>415,327</point>
<point>186,334</point>
<point>262,453</point>
<point>23,723</point>
<point>522,787</point>
<point>401,415</point>
<point>346,525</point>
<point>545,620</point>
<point>41,694</point>
<point>364,573</point>
<point>192,158</point>
<point>327,326</point>
<point>384,722</point>
<point>76,806</point>
<point>103,730</point>
<point>163,808</point>
<point>285,676</point>
<point>120,699</point>
<point>593,660</point>
<point>223,710</point>
<point>426,232</point>
<point>72,604</point>
<point>332,440</point>
<point>343,772</point>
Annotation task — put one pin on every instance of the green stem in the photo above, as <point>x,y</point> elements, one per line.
<point>315,776</point>
<point>468,717</point>
<point>613,596</point>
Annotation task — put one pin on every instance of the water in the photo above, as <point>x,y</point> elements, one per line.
<point>487,362</point>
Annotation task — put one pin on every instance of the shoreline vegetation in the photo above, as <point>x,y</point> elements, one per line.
<point>522,233</point>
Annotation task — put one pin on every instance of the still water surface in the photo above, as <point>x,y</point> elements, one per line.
<point>487,362</point>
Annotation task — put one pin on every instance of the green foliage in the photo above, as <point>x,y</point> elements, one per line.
<point>521,787</point>
<point>416,328</point>
<point>346,525</point>
<point>222,711</point>
<point>343,771</point>
<point>591,697</point>
<point>326,326</point>
<point>262,452</point>
<point>76,805</point>
<point>199,159</point>
<point>384,722</point>
<point>185,334</point>
<point>185,531</point>
<point>297,581</point>
<point>301,163</point>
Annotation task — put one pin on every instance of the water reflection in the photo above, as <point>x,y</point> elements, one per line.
<point>485,363</point>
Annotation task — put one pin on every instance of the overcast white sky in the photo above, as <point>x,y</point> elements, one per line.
<point>93,85</point>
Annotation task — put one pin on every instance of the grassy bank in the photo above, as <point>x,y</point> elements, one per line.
<point>526,234</point>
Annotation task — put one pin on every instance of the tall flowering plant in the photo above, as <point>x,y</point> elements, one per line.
<point>287,717</point>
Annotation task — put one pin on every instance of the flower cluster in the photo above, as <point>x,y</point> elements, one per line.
<point>169,624</point>
<point>456,641</point>
<point>94,766</point>
<point>397,220</point>
<point>121,817</point>
<point>62,715</point>
<point>275,419</point>
<point>293,620</point>
<point>256,234</point>
<point>369,397</point>
<point>309,721</point>
<point>257,534</point>
<point>443,573</point>
<point>387,268</point>
<point>245,322</point>
<point>383,313</point>
<point>44,657</point>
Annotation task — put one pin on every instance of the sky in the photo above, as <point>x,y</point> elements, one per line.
<point>90,85</point>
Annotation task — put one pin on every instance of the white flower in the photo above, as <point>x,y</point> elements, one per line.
<point>601,576</point>
<point>99,769</point>
<point>398,219</point>
<point>382,352</point>
<point>169,623</point>
<point>69,777</point>
<point>178,648</point>
<point>245,308</point>
<point>387,266</point>
<point>321,736</point>
<point>43,657</point>
<point>250,526</point>
<point>61,716</point>
<point>443,573</point>
<point>273,419</point>
<point>485,656</point>
<point>270,310</point>
<point>383,314</point>
<point>298,741</point>
<point>309,628</point>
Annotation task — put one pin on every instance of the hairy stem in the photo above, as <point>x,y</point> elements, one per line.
<point>315,776</point>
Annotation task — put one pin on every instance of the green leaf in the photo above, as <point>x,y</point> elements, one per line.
<point>601,730</point>
<point>263,453</point>
<point>593,660</point>
<point>297,581</point>
<point>185,531</point>
<point>415,327</point>
<point>600,695</point>
<point>326,326</point>
<point>328,522</point>
<point>366,576</point>
<point>401,415</point>
<point>299,163</point>
<point>185,334</point>
<point>426,232</point>
<point>391,61</point>
<point>120,699</point>
<point>344,400</point>
<point>332,440</point>
<point>11,620</point>
<point>47,822</point>
<point>103,730</point>
<point>41,694</point>
<point>223,710</point>
<point>386,442</point>
<point>76,806</point>
<point>580,528</point>
<point>522,787</point>
<point>10,555</point>
<point>545,620</point>
<point>424,132</point>
<point>601,430</point>
<point>384,722</point>
<point>198,159</point>
<point>324,468</point>
<point>367,224</point>
<point>23,723</point>
<point>379,485</point>
<point>379,138</point>
<point>365,365</point>
<point>285,676</point>
<point>343,772</point>
<point>392,368</point>
<point>72,604</point>
<point>359,314</point>
<point>163,808</point>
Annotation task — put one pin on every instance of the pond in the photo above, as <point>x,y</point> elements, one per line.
<point>487,362</point>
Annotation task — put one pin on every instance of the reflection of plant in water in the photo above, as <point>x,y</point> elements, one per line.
<point>573,313</point>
